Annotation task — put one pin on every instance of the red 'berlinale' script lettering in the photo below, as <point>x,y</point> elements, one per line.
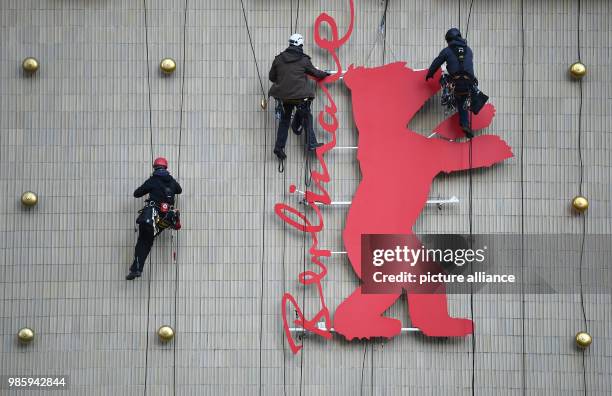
<point>291,215</point>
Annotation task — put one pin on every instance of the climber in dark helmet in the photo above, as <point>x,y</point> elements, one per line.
<point>292,89</point>
<point>158,213</point>
<point>459,65</point>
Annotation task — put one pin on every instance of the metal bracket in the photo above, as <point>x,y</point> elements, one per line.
<point>435,201</point>
<point>356,147</point>
<point>321,326</point>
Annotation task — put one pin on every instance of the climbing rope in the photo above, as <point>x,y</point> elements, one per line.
<point>151,147</point>
<point>246,24</point>
<point>178,174</point>
<point>297,14</point>
<point>467,27</point>
<point>365,351</point>
<point>471,228</point>
<point>263,214</point>
<point>381,36</point>
<point>284,289</point>
<point>383,30</point>
<point>304,311</point>
<point>580,185</point>
<point>522,171</point>
<point>470,216</point>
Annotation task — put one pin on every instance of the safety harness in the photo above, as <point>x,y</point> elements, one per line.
<point>462,80</point>
<point>159,216</point>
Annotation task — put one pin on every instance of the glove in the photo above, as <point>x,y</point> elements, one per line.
<point>428,76</point>
<point>475,81</point>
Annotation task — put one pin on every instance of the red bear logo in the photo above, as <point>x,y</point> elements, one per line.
<point>398,167</point>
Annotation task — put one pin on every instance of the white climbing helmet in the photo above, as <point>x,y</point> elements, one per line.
<point>296,39</point>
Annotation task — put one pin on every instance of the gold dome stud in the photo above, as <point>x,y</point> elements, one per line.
<point>577,70</point>
<point>25,335</point>
<point>580,203</point>
<point>264,103</point>
<point>167,65</point>
<point>29,199</point>
<point>165,333</point>
<point>30,65</point>
<point>583,339</point>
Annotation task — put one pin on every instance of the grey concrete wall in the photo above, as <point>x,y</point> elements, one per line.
<point>81,133</point>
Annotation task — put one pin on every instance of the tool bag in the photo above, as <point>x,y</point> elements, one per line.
<point>159,216</point>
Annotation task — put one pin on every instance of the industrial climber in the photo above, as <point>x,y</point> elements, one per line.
<point>292,89</point>
<point>157,214</point>
<point>459,65</point>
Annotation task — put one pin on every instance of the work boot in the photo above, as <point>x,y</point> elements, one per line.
<point>133,275</point>
<point>280,154</point>
<point>468,131</point>
<point>313,147</point>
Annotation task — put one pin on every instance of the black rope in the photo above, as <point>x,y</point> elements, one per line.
<point>307,159</point>
<point>470,221</point>
<point>303,298</point>
<point>263,255</point>
<point>471,225</point>
<point>307,167</point>
<point>178,174</point>
<point>522,171</point>
<point>284,275</point>
<point>580,186</point>
<point>151,148</point>
<point>297,15</point>
<point>307,181</point>
<point>263,210</point>
<point>246,24</point>
<point>383,30</point>
<point>372,368</point>
<point>467,27</point>
<point>365,351</point>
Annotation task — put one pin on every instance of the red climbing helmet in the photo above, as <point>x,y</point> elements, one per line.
<point>160,162</point>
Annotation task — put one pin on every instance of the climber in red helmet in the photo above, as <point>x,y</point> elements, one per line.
<point>158,213</point>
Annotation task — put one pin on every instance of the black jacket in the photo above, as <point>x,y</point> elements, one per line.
<point>452,62</point>
<point>288,73</point>
<point>161,187</point>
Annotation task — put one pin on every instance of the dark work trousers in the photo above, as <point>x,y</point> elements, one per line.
<point>303,117</point>
<point>464,117</point>
<point>143,247</point>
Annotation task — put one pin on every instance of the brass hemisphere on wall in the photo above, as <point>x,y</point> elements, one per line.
<point>580,203</point>
<point>578,70</point>
<point>25,335</point>
<point>583,339</point>
<point>167,65</point>
<point>264,103</point>
<point>30,64</point>
<point>165,333</point>
<point>29,199</point>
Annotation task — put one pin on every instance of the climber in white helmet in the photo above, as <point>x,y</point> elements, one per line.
<point>292,89</point>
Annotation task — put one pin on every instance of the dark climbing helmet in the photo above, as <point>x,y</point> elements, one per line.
<point>160,162</point>
<point>452,34</point>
